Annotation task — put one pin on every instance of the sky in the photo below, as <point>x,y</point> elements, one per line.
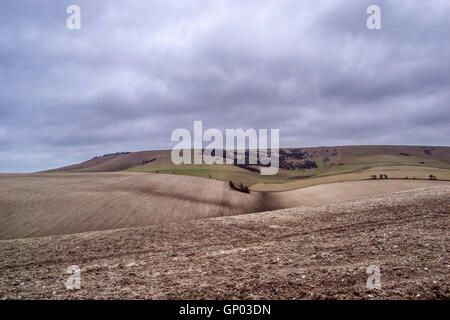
<point>137,70</point>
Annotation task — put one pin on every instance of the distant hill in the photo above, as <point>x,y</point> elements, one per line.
<point>298,166</point>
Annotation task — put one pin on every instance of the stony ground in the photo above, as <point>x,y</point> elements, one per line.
<point>301,253</point>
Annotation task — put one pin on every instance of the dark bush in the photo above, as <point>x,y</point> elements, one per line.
<point>241,187</point>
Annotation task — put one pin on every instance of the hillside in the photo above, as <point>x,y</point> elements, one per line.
<point>46,204</point>
<point>300,167</point>
<point>301,253</point>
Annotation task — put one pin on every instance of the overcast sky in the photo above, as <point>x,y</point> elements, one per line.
<point>137,70</point>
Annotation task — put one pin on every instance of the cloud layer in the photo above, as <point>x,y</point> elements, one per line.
<point>135,72</point>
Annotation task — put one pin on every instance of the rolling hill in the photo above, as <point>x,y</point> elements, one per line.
<point>134,189</point>
<point>141,228</point>
<point>300,253</point>
<point>44,204</point>
<point>299,167</point>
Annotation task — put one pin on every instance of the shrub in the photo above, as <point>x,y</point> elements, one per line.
<point>241,187</point>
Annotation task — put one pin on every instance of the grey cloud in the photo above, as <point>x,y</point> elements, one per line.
<point>136,71</point>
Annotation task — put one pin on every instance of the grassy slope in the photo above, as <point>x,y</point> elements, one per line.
<point>334,164</point>
<point>350,163</point>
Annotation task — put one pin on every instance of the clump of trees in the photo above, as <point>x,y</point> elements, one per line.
<point>307,164</point>
<point>382,176</point>
<point>240,187</point>
<point>148,161</point>
<point>247,167</point>
<point>111,154</point>
<point>296,154</point>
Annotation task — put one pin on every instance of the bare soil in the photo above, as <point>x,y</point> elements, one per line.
<point>319,252</point>
<point>46,204</point>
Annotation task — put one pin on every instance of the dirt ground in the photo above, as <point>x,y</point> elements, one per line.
<point>47,204</point>
<point>319,252</point>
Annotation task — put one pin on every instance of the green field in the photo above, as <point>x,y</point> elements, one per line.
<point>333,164</point>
